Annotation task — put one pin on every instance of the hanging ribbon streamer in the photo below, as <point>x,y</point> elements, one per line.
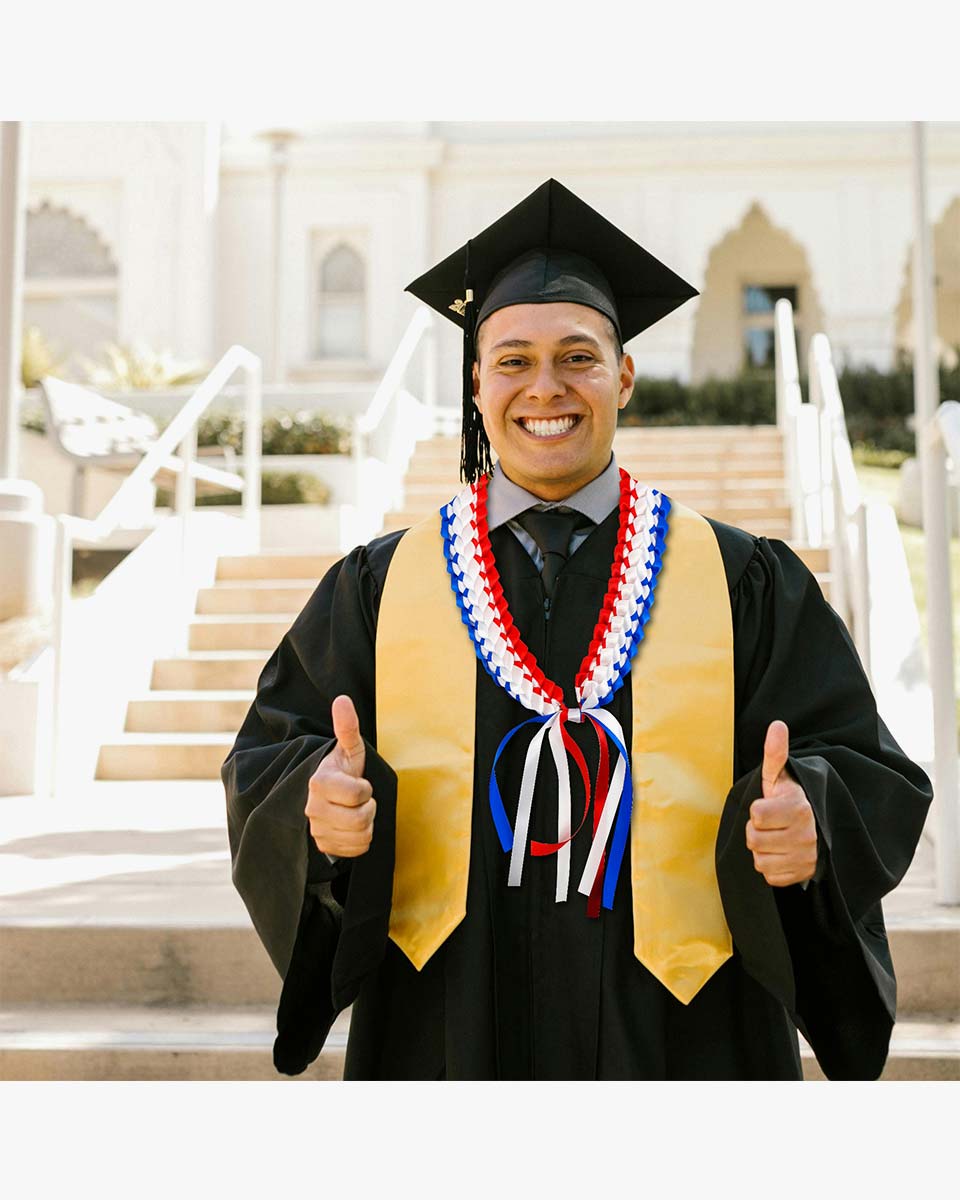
<point>617,636</point>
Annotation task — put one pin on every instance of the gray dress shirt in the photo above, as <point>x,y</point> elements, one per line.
<point>506,500</point>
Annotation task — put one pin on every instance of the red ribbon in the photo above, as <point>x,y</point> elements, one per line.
<point>603,783</point>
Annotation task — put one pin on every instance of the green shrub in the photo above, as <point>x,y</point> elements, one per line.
<point>276,487</point>
<point>744,400</point>
<point>283,433</point>
<point>870,456</point>
<point>877,404</point>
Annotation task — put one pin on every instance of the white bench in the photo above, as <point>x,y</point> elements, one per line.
<point>92,431</point>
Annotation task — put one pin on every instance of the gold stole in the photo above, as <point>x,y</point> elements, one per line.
<point>681,751</point>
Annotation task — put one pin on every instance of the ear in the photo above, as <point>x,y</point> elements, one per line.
<point>476,387</point>
<point>627,378</point>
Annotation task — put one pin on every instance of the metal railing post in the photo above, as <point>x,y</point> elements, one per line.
<point>252,448</point>
<point>62,586</point>
<point>932,448</point>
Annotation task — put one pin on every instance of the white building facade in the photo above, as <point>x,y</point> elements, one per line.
<point>190,237</point>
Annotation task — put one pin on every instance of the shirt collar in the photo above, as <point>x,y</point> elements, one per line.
<point>596,499</point>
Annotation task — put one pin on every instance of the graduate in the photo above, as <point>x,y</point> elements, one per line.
<point>568,781</point>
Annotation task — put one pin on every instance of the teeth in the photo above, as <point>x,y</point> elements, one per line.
<point>548,428</point>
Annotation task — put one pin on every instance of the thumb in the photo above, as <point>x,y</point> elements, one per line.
<point>776,746</point>
<point>346,729</point>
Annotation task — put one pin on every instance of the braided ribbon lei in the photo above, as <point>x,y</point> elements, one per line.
<point>617,636</point>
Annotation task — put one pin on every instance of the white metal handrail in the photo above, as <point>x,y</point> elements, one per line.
<point>236,358</point>
<point>393,377</point>
<point>798,423</point>
<point>843,513</point>
<point>789,399</point>
<point>937,441</point>
<point>390,396</point>
<point>182,432</point>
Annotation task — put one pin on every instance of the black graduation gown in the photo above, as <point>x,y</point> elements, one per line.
<point>528,988</point>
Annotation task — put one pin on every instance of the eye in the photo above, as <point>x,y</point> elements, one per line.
<point>583,354</point>
<point>512,362</point>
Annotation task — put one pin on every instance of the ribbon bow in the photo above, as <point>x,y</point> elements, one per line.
<point>612,805</point>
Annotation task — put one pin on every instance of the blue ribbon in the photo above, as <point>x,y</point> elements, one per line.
<point>504,831</point>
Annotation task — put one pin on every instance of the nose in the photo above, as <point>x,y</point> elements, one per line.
<point>546,383</point>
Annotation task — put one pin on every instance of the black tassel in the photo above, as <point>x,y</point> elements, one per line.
<point>475,458</point>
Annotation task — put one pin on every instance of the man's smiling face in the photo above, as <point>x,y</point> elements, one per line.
<point>549,384</point>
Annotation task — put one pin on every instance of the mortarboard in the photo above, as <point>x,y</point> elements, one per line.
<point>550,247</point>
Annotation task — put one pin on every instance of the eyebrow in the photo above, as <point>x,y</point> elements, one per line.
<point>564,341</point>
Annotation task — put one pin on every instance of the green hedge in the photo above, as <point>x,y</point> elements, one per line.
<point>276,487</point>
<point>283,432</point>
<point>877,403</point>
<point>744,400</point>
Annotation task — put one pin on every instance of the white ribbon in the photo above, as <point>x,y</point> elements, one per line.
<point>612,803</point>
<point>522,824</point>
<point>562,763</point>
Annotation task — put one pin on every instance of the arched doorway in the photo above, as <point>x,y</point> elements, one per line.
<point>748,270</point>
<point>946,271</point>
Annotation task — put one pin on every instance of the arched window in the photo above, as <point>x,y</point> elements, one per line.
<point>748,271</point>
<point>70,282</point>
<point>341,328</point>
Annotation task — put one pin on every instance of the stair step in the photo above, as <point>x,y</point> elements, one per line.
<point>919,1049</point>
<point>182,711</point>
<point>257,596</point>
<point>118,1042</point>
<point>186,960</point>
<point>238,631</point>
<point>816,558</point>
<point>926,958</point>
<point>148,963</point>
<point>163,756</point>
<point>205,669</point>
<point>277,565</point>
<point>126,1042</point>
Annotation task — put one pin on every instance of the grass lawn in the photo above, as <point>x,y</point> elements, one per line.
<point>882,483</point>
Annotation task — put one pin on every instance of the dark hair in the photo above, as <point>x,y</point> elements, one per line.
<point>608,325</point>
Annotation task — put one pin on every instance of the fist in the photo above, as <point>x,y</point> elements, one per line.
<point>340,804</point>
<point>782,831</point>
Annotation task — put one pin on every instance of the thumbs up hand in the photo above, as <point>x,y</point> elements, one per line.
<point>782,830</point>
<point>340,804</point>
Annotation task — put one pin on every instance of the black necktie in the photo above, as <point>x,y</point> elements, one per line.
<point>552,531</point>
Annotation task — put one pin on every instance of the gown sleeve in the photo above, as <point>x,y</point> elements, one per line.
<point>323,924</point>
<point>821,950</point>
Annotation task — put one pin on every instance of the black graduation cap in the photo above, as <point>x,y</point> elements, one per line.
<point>550,247</point>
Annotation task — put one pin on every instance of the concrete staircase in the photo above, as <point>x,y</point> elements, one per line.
<point>734,473</point>
<point>125,952</point>
<point>184,726</point>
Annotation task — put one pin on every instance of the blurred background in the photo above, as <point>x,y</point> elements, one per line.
<point>215,385</point>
